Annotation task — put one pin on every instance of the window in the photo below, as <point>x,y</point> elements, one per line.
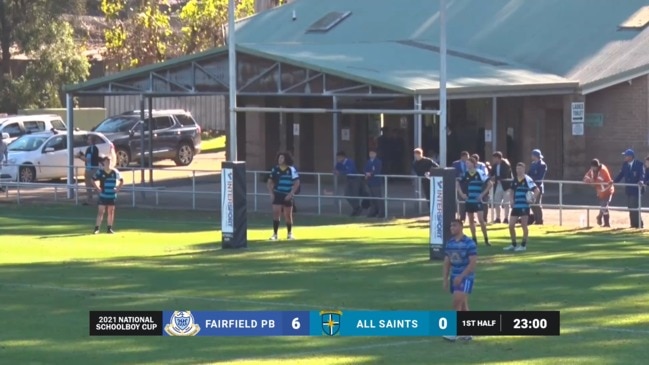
<point>185,120</point>
<point>13,129</point>
<point>58,125</point>
<point>80,140</point>
<point>98,140</point>
<point>58,143</point>
<point>162,123</point>
<point>328,21</point>
<point>116,124</point>
<point>36,126</point>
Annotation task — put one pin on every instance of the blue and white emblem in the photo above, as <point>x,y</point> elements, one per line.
<point>182,323</point>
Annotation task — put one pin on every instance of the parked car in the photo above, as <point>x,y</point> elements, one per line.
<point>19,125</point>
<point>44,155</point>
<point>176,136</point>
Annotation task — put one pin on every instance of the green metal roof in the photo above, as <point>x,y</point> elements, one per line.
<point>492,44</point>
<point>406,68</point>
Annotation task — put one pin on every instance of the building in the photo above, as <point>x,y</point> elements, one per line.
<point>518,73</point>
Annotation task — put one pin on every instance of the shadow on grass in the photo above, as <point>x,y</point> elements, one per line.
<point>47,304</point>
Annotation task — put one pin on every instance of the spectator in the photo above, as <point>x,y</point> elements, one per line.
<point>538,169</point>
<point>92,161</point>
<point>421,167</point>
<point>599,176</point>
<point>460,171</point>
<point>347,168</point>
<point>4,153</point>
<point>633,172</point>
<point>501,176</point>
<point>484,169</point>
<point>373,168</point>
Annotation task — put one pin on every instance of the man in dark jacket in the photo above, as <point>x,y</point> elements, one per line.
<point>501,176</point>
<point>460,171</point>
<point>538,169</point>
<point>373,168</point>
<point>633,172</point>
<point>347,169</point>
<point>421,166</point>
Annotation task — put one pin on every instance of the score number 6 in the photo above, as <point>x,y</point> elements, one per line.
<point>295,323</point>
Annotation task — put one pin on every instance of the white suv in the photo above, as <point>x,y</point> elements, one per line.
<point>19,125</point>
<point>44,156</point>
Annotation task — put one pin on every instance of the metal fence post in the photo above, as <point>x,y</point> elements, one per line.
<point>133,187</point>
<point>385,196</point>
<point>640,223</point>
<point>193,189</point>
<point>255,190</point>
<point>561,204</point>
<point>319,187</point>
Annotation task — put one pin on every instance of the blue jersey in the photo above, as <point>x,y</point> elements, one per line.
<point>283,179</point>
<point>108,183</point>
<point>520,188</point>
<point>472,184</point>
<point>459,253</point>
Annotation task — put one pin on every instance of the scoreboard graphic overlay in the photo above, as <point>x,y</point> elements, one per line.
<point>324,323</point>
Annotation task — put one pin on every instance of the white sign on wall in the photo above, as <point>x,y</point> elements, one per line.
<point>577,129</point>
<point>344,134</point>
<point>578,112</point>
<point>487,135</point>
<point>296,129</point>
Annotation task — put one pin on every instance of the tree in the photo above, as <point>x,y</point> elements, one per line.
<point>31,27</point>
<point>136,36</point>
<point>203,21</point>
<point>61,63</point>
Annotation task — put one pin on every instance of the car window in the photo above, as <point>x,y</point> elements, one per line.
<point>116,124</point>
<point>162,122</point>
<point>80,140</point>
<point>35,126</point>
<point>13,129</point>
<point>58,125</point>
<point>27,143</point>
<point>185,120</point>
<point>58,143</point>
<point>98,140</point>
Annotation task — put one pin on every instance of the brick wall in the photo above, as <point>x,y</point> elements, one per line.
<point>625,108</point>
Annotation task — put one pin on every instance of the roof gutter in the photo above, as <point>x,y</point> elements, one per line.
<point>563,88</point>
<point>605,83</point>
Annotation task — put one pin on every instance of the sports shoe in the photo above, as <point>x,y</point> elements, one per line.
<point>110,231</point>
<point>520,249</point>
<point>506,221</point>
<point>96,231</point>
<point>273,237</point>
<point>510,248</point>
<point>497,221</point>
<point>450,338</point>
<point>290,237</point>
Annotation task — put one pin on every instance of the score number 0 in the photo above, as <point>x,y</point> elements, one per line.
<point>442,323</point>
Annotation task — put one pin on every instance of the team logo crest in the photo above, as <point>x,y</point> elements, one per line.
<point>331,322</point>
<point>182,323</point>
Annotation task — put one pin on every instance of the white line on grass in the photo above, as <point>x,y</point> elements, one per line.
<point>117,293</point>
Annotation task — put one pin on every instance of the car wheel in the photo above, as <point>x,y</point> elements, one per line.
<point>123,158</point>
<point>184,155</point>
<point>27,174</point>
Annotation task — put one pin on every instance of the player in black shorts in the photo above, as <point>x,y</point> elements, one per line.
<point>520,188</point>
<point>282,186</point>
<point>108,182</point>
<point>472,187</point>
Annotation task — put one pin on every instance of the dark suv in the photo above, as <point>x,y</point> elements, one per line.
<point>176,136</point>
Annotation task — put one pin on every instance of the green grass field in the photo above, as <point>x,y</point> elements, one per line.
<point>53,272</point>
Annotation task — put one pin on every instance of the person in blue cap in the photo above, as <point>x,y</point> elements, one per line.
<point>632,172</point>
<point>538,169</point>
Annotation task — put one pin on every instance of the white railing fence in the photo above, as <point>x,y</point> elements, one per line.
<point>321,193</point>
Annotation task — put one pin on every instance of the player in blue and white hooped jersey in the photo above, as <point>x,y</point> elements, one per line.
<point>282,185</point>
<point>472,187</point>
<point>520,188</point>
<point>461,258</point>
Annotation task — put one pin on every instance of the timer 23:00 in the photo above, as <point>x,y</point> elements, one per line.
<point>536,323</point>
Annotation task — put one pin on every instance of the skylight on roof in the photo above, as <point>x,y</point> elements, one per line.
<point>638,21</point>
<point>327,22</point>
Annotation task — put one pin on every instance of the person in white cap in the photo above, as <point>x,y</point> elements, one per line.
<point>632,172</point>
<point>537,171</point>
